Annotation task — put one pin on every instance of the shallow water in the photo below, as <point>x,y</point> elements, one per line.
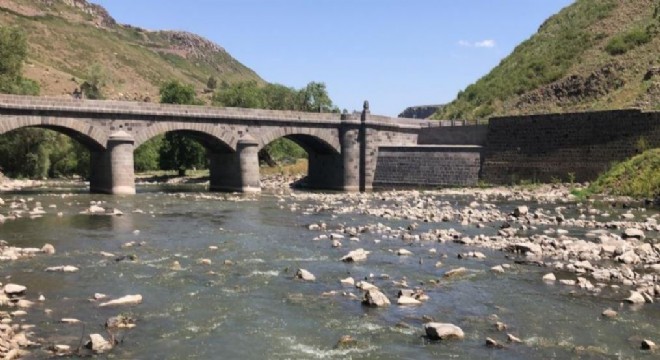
<point>255,308</point>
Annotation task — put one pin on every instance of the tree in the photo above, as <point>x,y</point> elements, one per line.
<point>245,94</point>
<point>314,98</point>
<point>212,83</point>
<point>96,79</point>
<point>177,151</point>
<point>13,52</point>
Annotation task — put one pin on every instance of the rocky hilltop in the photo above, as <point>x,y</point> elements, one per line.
<point>592,55</point>
<point>66,38</point>
<point>420,112</point>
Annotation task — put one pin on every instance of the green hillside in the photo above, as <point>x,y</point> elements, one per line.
<point>592,55</point>
<point>66,38</point>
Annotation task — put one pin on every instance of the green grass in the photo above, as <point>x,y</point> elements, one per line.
<point>542,59</point>
<point>589,37</point>
<point>637,177</point>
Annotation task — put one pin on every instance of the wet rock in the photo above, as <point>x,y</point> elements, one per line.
<point>70,321</point>
<point>513,339</point>
<point>497,269</point>
<point>366,286</point>
<point>609,313</point>
<point>404,252</point>
<point>305,275</point>
<point>120,322</point>
<point>126,300</point>
<point>549,277</point>
<point>520,211</point>
<point>633,234</point>
<point>629,257</point>
<point>356,255</point>
<point>205,262</point>
<point>500,326</point>
<point>65,269</point>
<point>491,343</point>
<point>98,344</point>
<point>636,298</point>
<point>455,272</point>
<point>14,289</point>
<point>61,350</point>
<point>648,345</point>
<point>375,298</point>
<point>442,331</point>
<point>349,281</point>
<point>48,249</point>
<point>408,300</point>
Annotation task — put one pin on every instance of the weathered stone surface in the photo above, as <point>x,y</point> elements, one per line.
<point>442,331</point>
<point>305,275</point>
<point>98,344</point>
<point>14,289</point>
<point>126,300</point>
<point>375,298</point>
<point>356,255</point>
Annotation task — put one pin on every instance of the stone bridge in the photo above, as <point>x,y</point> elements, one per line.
<point>342,148</point>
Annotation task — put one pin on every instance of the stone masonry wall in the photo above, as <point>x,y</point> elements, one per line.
<point>427,166</point>
<point>562,146</point>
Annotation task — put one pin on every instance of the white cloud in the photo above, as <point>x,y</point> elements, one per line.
<point>488,43</point>
<point>485,44</point>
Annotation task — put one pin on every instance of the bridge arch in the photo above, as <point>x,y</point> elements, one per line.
<point>91,137</point>
<point>325,161</point>
<point>323,141</point>
<point>211,136</point>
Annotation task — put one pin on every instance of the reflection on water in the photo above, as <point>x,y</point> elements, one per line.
<point>251,306</point>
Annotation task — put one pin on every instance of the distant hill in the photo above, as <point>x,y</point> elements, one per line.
<point>420,111</point>
<point>67,37</point>
<point>592,55</point>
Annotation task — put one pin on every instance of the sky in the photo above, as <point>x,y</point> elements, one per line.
<point>394,53</point>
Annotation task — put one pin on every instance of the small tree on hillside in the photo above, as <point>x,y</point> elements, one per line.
<point>96,79</point>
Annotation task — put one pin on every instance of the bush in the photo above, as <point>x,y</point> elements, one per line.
<point>622,43</point>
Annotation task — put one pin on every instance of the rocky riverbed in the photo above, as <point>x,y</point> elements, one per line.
<point>398,252</point>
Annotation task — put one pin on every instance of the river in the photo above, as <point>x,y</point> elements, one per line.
<point>244,302</point>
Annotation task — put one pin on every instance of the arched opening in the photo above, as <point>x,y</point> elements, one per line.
<point>46,151</point>
<point>302,160</point>
<point>178,153</point>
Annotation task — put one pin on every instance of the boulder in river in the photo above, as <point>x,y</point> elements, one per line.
<point>305,275</point>
<point>375,298</point>
<point>356,255</point>
<point>520,211</point>
<point>65,269</point>
<point>14,289</point>
<point>633,234</point>
<point>126,300</point>
<point>98,344</point>
<point>648,345</point>
<point>636,298</point>
<point>443,331</point>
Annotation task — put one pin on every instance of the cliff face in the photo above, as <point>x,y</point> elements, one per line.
<point>67,37</point>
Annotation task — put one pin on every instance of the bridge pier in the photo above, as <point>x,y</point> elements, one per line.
<point>237,171</point>
<point>112,170</point>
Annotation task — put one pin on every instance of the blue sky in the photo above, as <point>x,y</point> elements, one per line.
<point>394,53</point>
